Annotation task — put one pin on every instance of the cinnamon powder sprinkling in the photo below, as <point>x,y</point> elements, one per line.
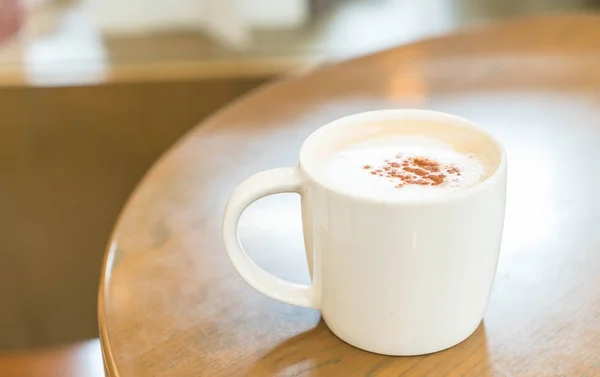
<point>415,171</point>
<point>453,170</point>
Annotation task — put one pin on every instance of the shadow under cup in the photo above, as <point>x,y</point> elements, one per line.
<point>402,276</point>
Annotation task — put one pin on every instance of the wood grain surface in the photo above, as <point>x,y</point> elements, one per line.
<point>170,303</point>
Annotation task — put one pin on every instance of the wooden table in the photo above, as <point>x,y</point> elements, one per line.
<point>171,304</point>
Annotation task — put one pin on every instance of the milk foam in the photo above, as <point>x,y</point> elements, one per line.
<point>353,169</point>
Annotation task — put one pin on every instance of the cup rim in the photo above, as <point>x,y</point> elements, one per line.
<point>421,114</point>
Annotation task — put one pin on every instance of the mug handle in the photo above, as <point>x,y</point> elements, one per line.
<point>266,183</point>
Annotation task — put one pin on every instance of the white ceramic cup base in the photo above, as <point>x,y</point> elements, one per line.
<point>392,349</point>
<point>395,277</point>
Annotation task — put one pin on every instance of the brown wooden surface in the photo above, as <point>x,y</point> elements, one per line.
<point>82,359</point>
<point>172,305</point>
<point>69,158</point>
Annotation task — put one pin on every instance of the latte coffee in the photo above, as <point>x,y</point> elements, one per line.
<point>409,164</point>
<point>402,216</point>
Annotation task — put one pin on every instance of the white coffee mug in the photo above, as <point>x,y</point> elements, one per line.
<point>402,277</point>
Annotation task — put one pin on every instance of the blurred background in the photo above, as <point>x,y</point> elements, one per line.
<point>92,92</point>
